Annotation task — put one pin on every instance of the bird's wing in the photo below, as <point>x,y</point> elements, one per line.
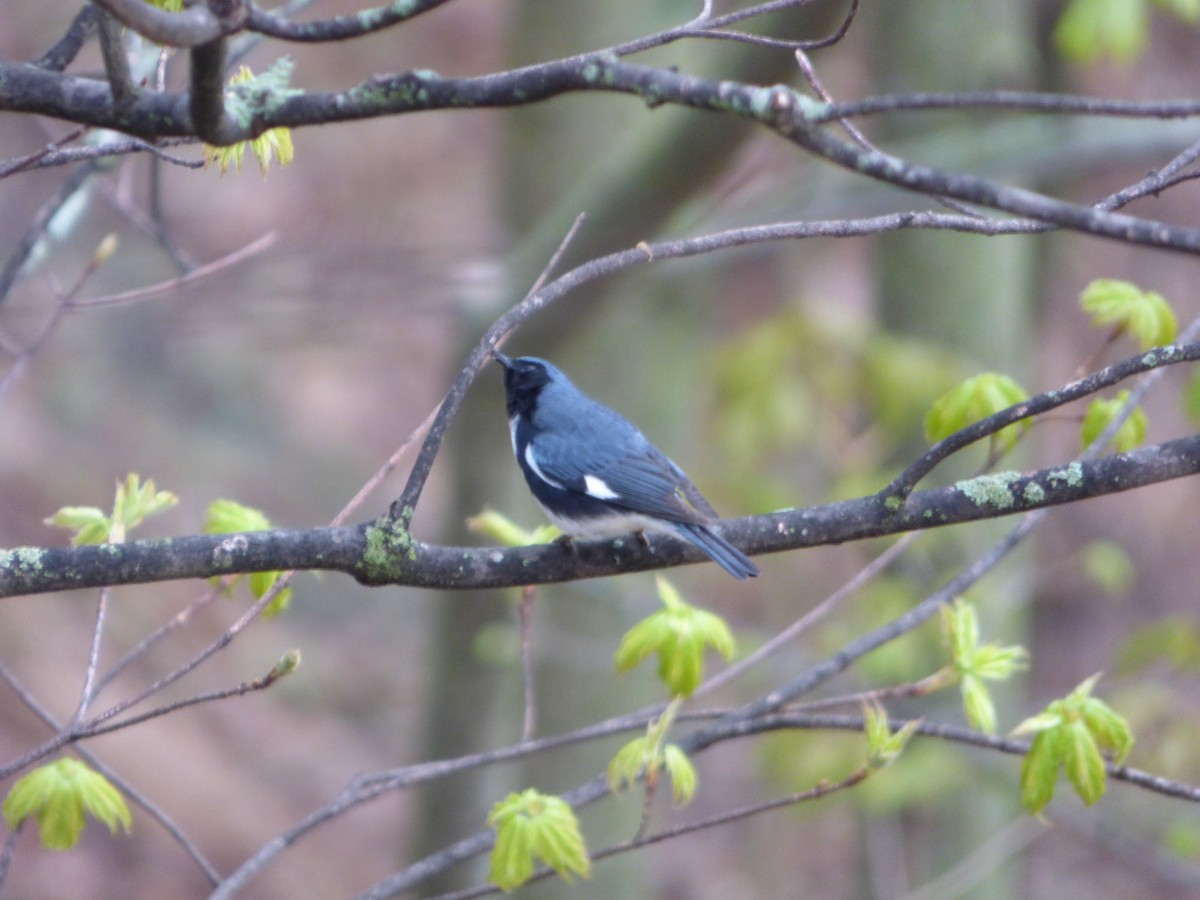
<point>627,472</point>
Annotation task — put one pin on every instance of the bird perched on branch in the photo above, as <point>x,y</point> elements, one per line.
<point>594,473</point>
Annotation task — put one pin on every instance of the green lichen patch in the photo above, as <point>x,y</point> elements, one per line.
<point>389,546</point>
<point>990,490</point>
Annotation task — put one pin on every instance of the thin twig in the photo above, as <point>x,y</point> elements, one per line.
<point>10,847</point>
<point>26,355</point>
<point>158,221</point>
<point>156,290</point>
<point>119,147</point>
<point>403,507</point>
<point>811,618</point>
<point>73,184</point>
<point>30,160</point>
<point>220,643</point>
<point>169,627</point>
<point>125,787</point>
<point>93,662</point>
<point>116,64</point>
<point>639,841</point>
<point>859,138</point>
<point>246,687</point>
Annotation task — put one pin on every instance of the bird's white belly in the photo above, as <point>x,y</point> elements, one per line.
<point>607,526</point>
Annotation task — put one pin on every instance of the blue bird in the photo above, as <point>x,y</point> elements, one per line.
<point>594,473</point>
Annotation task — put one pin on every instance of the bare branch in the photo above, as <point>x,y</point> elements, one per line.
<point>116,65</point>
<point>37,227</point>
<point>403,508</point>
<point>1042,403</point>
<point>366,552</point>
<point>194,25</point>
<point>83,26</point>
<point>339,28</point>
<point>255,247</point>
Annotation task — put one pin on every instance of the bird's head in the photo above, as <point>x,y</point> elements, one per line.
<point>524,379</point>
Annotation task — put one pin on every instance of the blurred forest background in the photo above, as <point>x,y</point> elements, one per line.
<point>777,375</point>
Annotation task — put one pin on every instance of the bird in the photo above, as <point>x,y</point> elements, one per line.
<point>595,474</point>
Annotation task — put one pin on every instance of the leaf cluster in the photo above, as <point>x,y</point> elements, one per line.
<point>972,663</point>
<point>532,826</point>
<point>57,795</point>
<point>1072,735</point>
<point>680,634</point>
<point>134,502</point>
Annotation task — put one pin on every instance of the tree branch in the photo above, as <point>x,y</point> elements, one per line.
<point>375,555</point>
<point>194,25</point>
<point>116,65</point>
<point>206,94</point>
<point>83,26</point>
<point>339,28</point>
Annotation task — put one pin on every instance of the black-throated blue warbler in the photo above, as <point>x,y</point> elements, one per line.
<point>594,473</point>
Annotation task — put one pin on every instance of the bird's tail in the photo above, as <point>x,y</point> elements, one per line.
<point>723,553</point>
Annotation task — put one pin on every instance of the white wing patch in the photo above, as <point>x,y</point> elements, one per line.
<point>537,470</point>
<point>512,431</point>
<point>596,487</point>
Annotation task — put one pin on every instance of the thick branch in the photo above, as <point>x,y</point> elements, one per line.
<point>206,94</point>
<point>376,555</point>
<point>1038,405</point>
<point>152,115</point>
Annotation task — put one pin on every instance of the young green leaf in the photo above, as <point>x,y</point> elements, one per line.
<point>1070,735</point>
<point>1110,730</point>
<point>231,517</point>
<point>277,142</point>
<point>1101,411</point>
<point>1143,315</point>
<point>976,398</point>
<point>1109,566</point>
<point>1039,771</point>
<point>58,795</point>
<point>1089,30</point>
<point>884,745</point>
<point>679,633</point>
<point>628,763</point>
<point>973,663</point>
<point>532,826</point>
<point>641,755</point>
<point>682,774</point>
<point>261,582</point>
<point>961,628</point>
<point>1082,762</point>
<point>977,704</point>
<point>508,533</point>
<point>90,525</point>
<point>1191,398</point>
<point>132,503</point>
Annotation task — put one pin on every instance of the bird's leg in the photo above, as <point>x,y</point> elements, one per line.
<point>567,542</point>
<point>643,540</point>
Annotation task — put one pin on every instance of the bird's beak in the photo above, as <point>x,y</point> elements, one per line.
<point>502,359</point>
